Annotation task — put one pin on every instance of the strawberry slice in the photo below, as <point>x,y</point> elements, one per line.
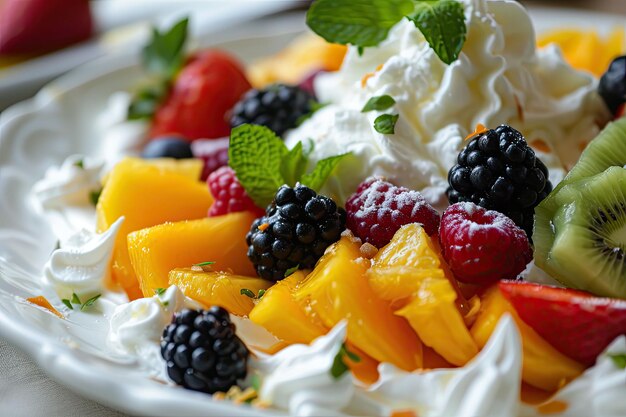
<point>205,90</point>
<point>576,323</point>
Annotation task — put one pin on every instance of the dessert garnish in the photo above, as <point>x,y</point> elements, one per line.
<point>202,351</point>
<point>229,194</point>
<point>612,87</point>
<point>498,171</point>
<point>378,209</point>
<point>301,225</point>
<point>262,163</point>
<point>76,300</point>
<point>364,24</point>
<point>482,246</point>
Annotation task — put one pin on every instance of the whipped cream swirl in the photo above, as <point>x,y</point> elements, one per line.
<point>81,264</point>
<point>499,78</point>
<point>298,377</point>
<point>488,386</point>
<point>70,183</point>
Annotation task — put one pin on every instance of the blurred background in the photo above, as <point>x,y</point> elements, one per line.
<point>42,39</point>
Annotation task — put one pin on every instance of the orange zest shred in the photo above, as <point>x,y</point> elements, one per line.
<point>263,226</point>
<point>42,302</point>
<point>552,407</point>
<point>370,75</point>
<point>540,145</point>
<point>480,128</point>
<point>403,413</point>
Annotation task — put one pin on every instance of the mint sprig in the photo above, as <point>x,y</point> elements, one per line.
<point>366,23</point>
<point>378,103</point>
<point>619,359</point>
<point>339,367</point>
<point>162,59</point>
<point>76,300</point>
<point>263,163</point>
<point>386,124</point>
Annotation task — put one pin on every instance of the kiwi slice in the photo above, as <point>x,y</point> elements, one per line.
<point>606,150</point>
<point>580,234</point>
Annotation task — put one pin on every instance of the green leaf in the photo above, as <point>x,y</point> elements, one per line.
<point>75,299</point>
<point>205,263</point>
<point>386,123</point>
<point>260,294</point>
<point>291,270</point>
<point>67,303</point>
<point>247,293</point>
<point>80,164</point>
<point>619,359</point>
<point>159,291</point>
<point>164,55</point>
<point>94,196</point>
<point>146,100</point>
<point>322,171</point>
<point>378,103</point>
<point>293,165</point>
<point>357,22</point>
<point>339,366</point>
<point>442,23</point>
<point>255,154</point>
<point>89,302</point>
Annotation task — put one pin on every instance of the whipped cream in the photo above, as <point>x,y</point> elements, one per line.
<point>298,378</point>
<point>70,183</point>
<point>499,78</point>
<point>140,323</point>
<point>81,264</point>
<point>599,392</point>
<point>488,386</point>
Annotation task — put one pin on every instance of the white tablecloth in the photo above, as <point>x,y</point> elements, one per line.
<point>25,390</point>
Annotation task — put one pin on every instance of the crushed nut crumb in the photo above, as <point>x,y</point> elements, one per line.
<point>368,250</point>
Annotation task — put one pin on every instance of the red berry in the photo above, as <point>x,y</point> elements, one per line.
<point>203,93</point>
<point>482,246</point>
<point>575,323</point>
<point>213,152</point>
<point>229,194</point>
<point>378,209</point>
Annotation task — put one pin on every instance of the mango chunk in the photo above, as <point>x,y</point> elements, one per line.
<point>543,366</point>
<point>218,288</point>
<point>337,289</point>
<point>155,251</point>
<point>146,195</point>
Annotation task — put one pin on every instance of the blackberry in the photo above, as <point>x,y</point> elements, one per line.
<point>498,171</point>
<point>202,351</point>
<point>612,86</point>
<point>298,227</point>
<point>278,107</point>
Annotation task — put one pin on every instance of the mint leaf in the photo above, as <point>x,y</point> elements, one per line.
<point>293,165</point>
<point>260,294</point>
<point>164,55</point>
<point>67,303</point>
<point>378,103</point>
<point>94,196</point>
<point>80,164</point>
<point>147,99</point>
<point>205,263</point>
<point>291,270</point>
<point>159,291</point>
<point>386,123</point>
<point>89,302</point>
<point>247,293</point>
<point>442,23</point>
<point>75,299</point>
<point>322,171</point>
<point>339,366</point>
<point>357,22</point>
<point>619,359</point>
<point>255,154</point>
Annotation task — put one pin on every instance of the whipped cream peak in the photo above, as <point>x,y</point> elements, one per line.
<point>70,183</point>
<point>81,264</point>
<point>298,378</point>
<point>488,386</point>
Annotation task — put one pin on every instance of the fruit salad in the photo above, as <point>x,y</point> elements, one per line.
<point>423,215</point>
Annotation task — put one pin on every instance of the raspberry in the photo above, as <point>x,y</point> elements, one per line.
<point>202,351</point>
<point>213,152</point>
<point>229,194</point>
<point>482,246</point>
<point>295,232</point>
<point>378,209</point>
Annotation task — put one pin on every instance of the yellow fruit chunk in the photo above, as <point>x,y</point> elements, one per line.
<point>155,251</point>
<point>218,288</point>
<point>434,316</point>
<point>586,50</point>
<point>282,316</point>
<point>146,195</point>
<point>409,269</point>
<point>337,289</point>
<point>189,167</point>
<point>304,55</point>
<point>543,366</point>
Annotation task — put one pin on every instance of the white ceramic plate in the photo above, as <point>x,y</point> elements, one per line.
<point>41,132</point>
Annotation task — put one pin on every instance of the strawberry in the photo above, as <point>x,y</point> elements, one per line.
<point>38,26</point>
<point>204,91</point>
<point>576,323</point>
